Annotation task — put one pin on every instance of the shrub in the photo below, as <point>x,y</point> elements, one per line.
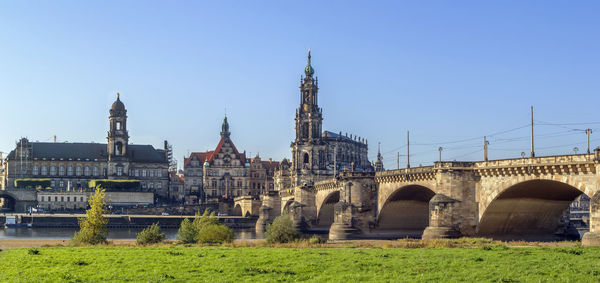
<point>187,232</point>
<point>207,218</point>
<point>316,240</point>
<point>92,229</point>
<point>32,183</point>
<point>282,230</point>
<point>150,235</point>
<point>215,233</point>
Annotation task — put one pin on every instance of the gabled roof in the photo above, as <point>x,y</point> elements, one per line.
<point>210,155</point>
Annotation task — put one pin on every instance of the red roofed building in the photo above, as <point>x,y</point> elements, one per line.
<point>225,172</point>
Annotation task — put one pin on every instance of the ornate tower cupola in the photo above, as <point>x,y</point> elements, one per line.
<point>379,162</point>
<point>118,136</point>
<point>309,117</point>
<point>225,129</point>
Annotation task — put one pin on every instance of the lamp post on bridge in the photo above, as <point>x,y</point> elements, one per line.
<point>588,132</point>
<point>440,150</point>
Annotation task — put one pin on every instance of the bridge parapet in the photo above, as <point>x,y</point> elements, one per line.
<point>552,165</point>
<point>406,175</point>
<point>326,185</point>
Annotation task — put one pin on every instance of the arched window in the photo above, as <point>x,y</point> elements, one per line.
<point>61,170</point>
<point>70,171</point>
<point>86,171</point>
<point>96,171</point>
<point>52,170</point>
<point>119,148</point>
<point>44,170</point>
<point>306,158</point>
<point>78,171</point>
<point>35,170</point>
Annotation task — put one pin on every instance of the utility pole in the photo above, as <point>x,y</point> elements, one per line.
<point>485,149</point>
<point>440,149</point>
<point>588,132</point>
<point>532,152</point>
<point>398,160</point>
<point>407,149</point>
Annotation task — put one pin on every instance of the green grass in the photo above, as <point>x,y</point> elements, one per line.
<point>259,264</point>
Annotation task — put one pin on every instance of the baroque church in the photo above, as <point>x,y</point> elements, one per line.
<point>318,154</point>
<point>70,166</point>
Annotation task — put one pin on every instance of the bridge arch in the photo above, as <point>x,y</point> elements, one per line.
<point>325,209</point>
<point>405,212</point>
<point>527,209</point>
<point>7,202</point>
<point>237,210</point>
<point>286,206</point>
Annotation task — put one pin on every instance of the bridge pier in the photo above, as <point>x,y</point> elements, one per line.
<point>442,223</point>
<point>592,238</point>
<point>268,211</point>
<point>354,214</point>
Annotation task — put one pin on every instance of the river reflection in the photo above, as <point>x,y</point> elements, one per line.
<point>113,234</point>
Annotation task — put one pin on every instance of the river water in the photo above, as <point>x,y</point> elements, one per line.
<point>113,234</point>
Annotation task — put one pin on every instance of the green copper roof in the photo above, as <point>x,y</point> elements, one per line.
<point>309,71</point>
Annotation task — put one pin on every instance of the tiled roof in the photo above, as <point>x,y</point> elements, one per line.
<point>91,151</point>
<point>210,155</point>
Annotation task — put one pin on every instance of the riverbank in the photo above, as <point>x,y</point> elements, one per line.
<point>176,263</point>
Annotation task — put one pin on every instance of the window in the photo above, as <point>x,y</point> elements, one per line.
<point>52,170</point>
<point>194,182</point>
<point>143,185</point>
<point>81,199</point>
<point>42,198</point>
<point>44,170</point>
<point>159,185</point>
<point>119,171</point>
<point>143,173</point>
<point>96,171</point>
<point>35,170</point>
<point>68,199</point>
<point>70,171</point>
<point>52,183</point>
<point>159,173</point>
<point>55,198</point>
<point>118,126</point>
<point>61,170</point>
<point>61,184</point>
<point>86,171</point>
<point>62,198</point>
<point>151,186</point>
<point>137,172</point>
<point>151,173</point>
<point>78,171</point>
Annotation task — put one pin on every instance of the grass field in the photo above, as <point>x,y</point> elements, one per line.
<point>493,263</point>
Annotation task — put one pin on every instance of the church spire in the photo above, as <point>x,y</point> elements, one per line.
<point>309,71</point>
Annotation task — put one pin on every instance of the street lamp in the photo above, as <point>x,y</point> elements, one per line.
<point>575,150</point>
<point>440,150</point>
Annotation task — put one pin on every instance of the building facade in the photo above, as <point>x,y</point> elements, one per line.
<point>225,172</point>
<point>70,166</point>
<point>318,154</point>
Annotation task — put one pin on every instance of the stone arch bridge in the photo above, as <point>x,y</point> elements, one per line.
<point>507,199</point>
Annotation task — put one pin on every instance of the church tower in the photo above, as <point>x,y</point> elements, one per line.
<point>308,148</point>
<point>309,118</point>
<point>118,137</point>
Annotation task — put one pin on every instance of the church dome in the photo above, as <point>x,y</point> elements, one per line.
<point>118,105</point>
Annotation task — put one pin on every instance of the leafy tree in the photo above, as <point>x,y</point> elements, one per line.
<point>92,229</point>
<point>187,232</point>
<point>282,230</point>
<point>150,235</point>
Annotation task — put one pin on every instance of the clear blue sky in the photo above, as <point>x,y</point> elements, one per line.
<point>445,70</point>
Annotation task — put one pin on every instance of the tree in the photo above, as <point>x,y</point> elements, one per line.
<point>282,230</point>
<point>92,228</point>
<point>187,232</point>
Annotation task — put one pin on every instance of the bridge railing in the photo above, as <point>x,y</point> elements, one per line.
<point>543,160</point>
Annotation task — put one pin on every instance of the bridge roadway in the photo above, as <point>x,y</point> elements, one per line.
<point>521,198</point>
<point>122,220</point>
